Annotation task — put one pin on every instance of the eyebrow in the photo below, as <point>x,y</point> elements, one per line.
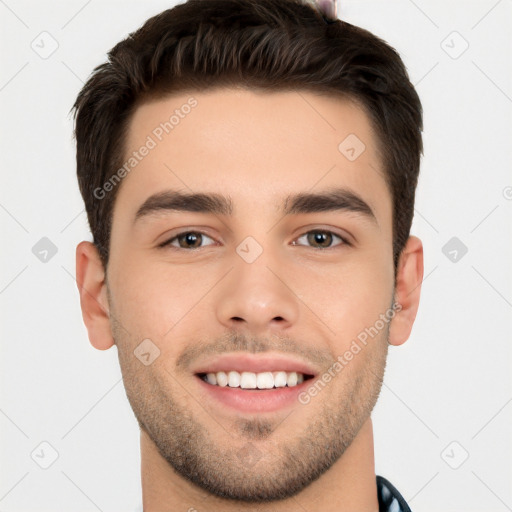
<point>333,199</point>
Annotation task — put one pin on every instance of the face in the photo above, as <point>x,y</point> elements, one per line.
<point>290,282</point>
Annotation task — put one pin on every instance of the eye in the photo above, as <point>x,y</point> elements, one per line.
<point>186,240</point>
<point>322,237</point>
<point>192,239</point>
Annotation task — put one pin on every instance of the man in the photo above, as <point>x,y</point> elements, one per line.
<point>249,172</point>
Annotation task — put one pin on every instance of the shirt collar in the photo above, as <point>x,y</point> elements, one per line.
<point>390,500</point>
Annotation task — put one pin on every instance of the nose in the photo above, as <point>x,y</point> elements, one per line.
<point>258,298</point>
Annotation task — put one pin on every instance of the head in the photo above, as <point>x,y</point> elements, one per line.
<point>211,150</point>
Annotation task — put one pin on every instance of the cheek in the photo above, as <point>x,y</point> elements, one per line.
<point>151,297</point>
<point>348,298</point>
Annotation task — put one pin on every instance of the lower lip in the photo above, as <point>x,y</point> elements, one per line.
<point>256,400</point>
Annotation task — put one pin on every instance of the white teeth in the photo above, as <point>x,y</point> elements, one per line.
<point>233,379</point>
<point>265,380</point>
<point>221,377</point>
<point>279,379</point>
<point>210,378</point>
<point>291,379</point>
<point>250,380</point>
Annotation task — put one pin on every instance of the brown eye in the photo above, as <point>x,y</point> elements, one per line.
<point>186,240</point>
<point>322,239</point>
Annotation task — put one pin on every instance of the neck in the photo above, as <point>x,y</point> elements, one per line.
<point>348,485</point>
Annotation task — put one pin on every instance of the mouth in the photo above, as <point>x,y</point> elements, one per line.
<point>251,381</point>
<point>248,392</point>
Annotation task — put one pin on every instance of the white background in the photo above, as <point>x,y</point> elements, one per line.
<point>447,391</point>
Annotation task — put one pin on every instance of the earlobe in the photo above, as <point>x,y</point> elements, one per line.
<point>407,292</point>
<point>90,279</point>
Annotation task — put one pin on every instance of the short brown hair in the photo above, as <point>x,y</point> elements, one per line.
<point>265,44</point>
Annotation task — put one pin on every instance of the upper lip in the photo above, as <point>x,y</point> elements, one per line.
<point>256,364</point>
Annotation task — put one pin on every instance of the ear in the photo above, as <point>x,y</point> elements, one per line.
<point>90,279</point>
<point>407,292</point>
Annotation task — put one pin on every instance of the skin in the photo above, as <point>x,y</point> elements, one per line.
<point>257,148</point>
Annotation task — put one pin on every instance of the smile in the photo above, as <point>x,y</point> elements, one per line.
<point>251,380</point>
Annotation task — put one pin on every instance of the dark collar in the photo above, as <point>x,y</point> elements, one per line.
<point>390,500</point>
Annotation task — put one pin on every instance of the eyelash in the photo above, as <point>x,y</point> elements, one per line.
<point>175,237</point>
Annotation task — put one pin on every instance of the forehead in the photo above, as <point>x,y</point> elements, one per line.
<point>255,147</point>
